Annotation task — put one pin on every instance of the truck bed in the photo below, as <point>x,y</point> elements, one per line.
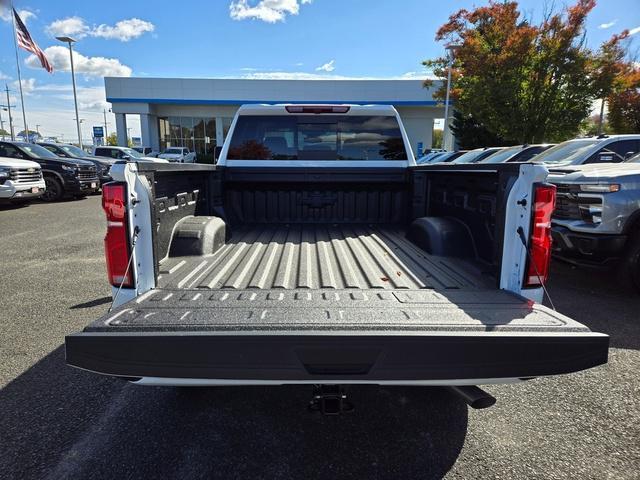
<point>317,256</point>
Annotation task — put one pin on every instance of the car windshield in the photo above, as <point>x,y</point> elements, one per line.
<point>317,137</point>
<point>470,157</point>
<point>177,151</point>
<point>38,151</point>
<point>566,152</point>
<point>73,150</point>
<point>502,155</point>
<point>634,159</point>
<point>131,152</point>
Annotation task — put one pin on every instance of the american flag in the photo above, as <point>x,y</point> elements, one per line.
<point>25,41</point>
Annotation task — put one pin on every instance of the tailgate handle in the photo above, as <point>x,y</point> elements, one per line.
<point>338,361</point>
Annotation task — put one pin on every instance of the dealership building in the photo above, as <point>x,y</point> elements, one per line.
<point>197,113</point>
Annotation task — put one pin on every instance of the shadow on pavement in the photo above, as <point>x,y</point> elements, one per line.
<point>64,423</point>
<point>597,300</point>
<point>93,303</point>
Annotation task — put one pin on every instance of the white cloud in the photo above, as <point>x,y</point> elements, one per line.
<point>327,67</point>
<point>77,27</point>
<point>270,11</point>
<point>25,15</point>
<point>4,76</point>
<point>28,85</point>
<point>91,66</point>
<point>606,25</point>
<point>71,27</point>
<point>633,31</point>
<point>89,98</point>
<point>124,30</point>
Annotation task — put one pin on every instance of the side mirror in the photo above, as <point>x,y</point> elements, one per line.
<point>125,157</point>
<point>606,157</point>
<point>628,155</point>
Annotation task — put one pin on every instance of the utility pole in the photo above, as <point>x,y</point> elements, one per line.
<point>13,137</point>
<point>106,134</point>
<point>38,129</point>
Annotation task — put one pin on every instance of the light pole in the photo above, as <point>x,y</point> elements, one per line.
<point>70,41</point>
<point>38,129</point>
<point>79,122</point>
<point>451,48</point>
<point>13,137</point>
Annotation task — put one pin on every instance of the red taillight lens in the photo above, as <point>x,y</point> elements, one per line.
<point>540,240</point>
<point>116,242</point>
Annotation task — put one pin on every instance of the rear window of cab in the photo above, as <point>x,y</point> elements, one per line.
<point>316,137</point>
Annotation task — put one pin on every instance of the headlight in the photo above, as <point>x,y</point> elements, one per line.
<point>600,188</point>
<point>5,174</point>
<point>68,168</point>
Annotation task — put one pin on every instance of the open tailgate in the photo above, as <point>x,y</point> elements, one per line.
<point>335,335</point>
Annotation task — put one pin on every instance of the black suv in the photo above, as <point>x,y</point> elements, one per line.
<point>72,177</point>
<point>65,150</point>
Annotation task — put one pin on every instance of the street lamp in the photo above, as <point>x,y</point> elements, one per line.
<point>70,41</point>
<point>451,48</point>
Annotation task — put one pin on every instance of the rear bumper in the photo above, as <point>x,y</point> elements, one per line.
<point>342,357</point>
<point>586,248</point>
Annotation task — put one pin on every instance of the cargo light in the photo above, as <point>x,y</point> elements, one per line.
<point>116,242</point>
<point>317,109</point>
<point>540,239</point>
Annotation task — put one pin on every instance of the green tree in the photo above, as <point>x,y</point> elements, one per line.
<point>112,139</point>
<point>437,139</point>
<point>470,133</point>
<point>624,102</point>
<point>524,83</point>
<point>4,133</point>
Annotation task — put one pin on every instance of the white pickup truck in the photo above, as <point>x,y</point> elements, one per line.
<point>317,252</point>
<point>20,180</point>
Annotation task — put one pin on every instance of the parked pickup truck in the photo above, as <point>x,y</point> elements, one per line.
<point>316,251</point>
<point>20,180</point>
<point>597,219</point>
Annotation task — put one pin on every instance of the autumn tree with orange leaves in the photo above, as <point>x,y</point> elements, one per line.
<point>525,83</point>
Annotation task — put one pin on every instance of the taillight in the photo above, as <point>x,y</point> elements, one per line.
<point>540,239</point>
<point>116,242</point>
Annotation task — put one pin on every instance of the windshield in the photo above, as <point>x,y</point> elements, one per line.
<point>38,151</point>
<point>469,156</point>
<point>131,152</point>
<point>634,159</point>
<point>566,152</point>
<point>177,151</point>
<point>73,150</point>
<point>502,155</point>
<point>316,137</point>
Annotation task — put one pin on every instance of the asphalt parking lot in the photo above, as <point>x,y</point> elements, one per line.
<point>58,422</point>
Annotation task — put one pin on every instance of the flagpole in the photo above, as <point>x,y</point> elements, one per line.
<point>15,44</point>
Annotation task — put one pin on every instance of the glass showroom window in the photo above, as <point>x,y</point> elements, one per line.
<point>196,133</point>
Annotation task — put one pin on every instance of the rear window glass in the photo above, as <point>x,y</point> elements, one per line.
<point>316,137</point>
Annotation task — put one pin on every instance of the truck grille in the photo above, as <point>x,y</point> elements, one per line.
<point>26,175</point>
<point>87,174</point>
<point>571,206</point>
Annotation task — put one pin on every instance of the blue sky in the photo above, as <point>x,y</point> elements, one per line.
<point>235,38</point>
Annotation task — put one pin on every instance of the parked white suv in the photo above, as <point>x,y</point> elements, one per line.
<point>178,154</point>
<point>124,153</point>
<point>20,180</point>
